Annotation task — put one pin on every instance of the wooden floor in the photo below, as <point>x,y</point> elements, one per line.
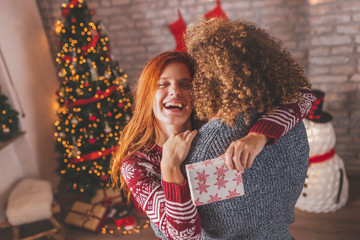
<point>343,224</point>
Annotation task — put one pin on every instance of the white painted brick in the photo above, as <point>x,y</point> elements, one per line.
<point>351,6</point>
<point>329,60</point>
<point>105,3</point>
<point>265,3</point>
<point>348,29</point>
<point>331,40</point>
<point>357,39</point>
<point>236,5</point>
<point>356,17</point>
<point>319,51</point>
<point>319,70</point>
<point>345,69</point>
<point>120,2</point>
<point>327,78</point>
<point>143,24</point>
<point>355,78</point>
<point>342,50</point>
<point>332,19</point>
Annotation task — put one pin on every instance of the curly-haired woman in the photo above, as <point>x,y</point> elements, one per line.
<point>242,72</point>
<point>157,139</point>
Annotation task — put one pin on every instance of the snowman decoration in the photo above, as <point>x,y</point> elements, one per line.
<point>326,186</point>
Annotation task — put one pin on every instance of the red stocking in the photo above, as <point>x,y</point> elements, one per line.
<point>178,29</point>
<point>217,12</point>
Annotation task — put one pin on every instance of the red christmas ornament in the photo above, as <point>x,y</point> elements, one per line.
<point>66,101</point>
<point>65,12</point>
<point>86,84</point>
<point>92,140</point>
<point>120,105</point>
<point>104,177</point>
<point>73,20</point>
<point>109,114</point>
<point>92,118</point>
<point>98,92</point>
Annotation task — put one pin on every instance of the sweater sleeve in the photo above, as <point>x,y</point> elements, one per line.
<point>285,117</point>
<point>168,205</point>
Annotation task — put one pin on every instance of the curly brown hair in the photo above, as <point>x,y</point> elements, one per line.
<point>240,68</point>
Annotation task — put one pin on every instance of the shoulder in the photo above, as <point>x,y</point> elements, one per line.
<point>139,161</point>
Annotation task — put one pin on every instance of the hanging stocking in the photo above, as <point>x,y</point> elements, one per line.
<point>217,12</point>
<point>178,29</point>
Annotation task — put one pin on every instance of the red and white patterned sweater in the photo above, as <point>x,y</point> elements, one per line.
<point>168,205</point>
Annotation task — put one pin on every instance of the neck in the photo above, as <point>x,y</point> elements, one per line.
<point>165,131</point>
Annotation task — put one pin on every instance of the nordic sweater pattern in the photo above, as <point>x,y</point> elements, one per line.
<point>167,205</point>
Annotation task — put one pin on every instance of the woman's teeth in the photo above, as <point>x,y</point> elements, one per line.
<point>172,105</point>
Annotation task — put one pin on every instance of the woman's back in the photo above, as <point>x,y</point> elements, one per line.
<point>272,184</point>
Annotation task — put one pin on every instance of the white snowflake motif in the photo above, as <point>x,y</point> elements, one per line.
<point>233,194</point>
<point>214,198</point>
<point>238,178</point>
<point>220,172</point>
<point>202,187</point>
<point>201,176</point>
<point>221,183</point>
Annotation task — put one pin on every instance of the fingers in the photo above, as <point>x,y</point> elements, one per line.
<point>238,158</point>
<point>228,157</point>
<point>190,135</point>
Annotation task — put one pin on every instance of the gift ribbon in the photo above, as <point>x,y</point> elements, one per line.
<point>322,157</point>
<point>93,155</point>
<point>96,98</point>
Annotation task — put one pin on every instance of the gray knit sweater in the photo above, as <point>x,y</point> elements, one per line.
<point>272,185</point>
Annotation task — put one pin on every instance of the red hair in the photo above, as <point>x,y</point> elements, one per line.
<point>141,129</point>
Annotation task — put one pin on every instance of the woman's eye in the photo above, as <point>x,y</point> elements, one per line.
<point>162,84</point>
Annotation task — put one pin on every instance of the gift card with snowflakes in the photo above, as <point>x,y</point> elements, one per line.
<point>211,181</point>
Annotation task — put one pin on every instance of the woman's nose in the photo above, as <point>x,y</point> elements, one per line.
<point>175,91</point>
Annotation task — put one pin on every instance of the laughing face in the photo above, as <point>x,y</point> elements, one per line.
<point>172,102</point>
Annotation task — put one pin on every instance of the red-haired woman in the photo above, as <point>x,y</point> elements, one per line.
<point>157,140</point>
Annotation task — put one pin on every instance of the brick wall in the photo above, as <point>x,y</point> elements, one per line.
<point>334,68</point>
<point>322,35</point>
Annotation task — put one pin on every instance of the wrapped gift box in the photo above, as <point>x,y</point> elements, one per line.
<point>107,197</point>
<point>87,216</point>
<point>211,181</point>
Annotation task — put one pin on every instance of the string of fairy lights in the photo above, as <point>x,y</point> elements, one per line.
<point>121,231</point>
<point>94,101</point>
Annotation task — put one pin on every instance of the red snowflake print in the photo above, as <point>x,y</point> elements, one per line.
<point>190,167</point>
<point>220,172</point>
<point>201,176</point>
<point>238,178</point>
<point>202,187</point>
<point>221,183</point>
<point>208,162</point>
<point>198,202</point>
<point>214,198</point>
<point>233,194</point>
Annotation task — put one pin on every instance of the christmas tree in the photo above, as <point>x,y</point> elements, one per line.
<point>94,100</point>
<point>9,120</point>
